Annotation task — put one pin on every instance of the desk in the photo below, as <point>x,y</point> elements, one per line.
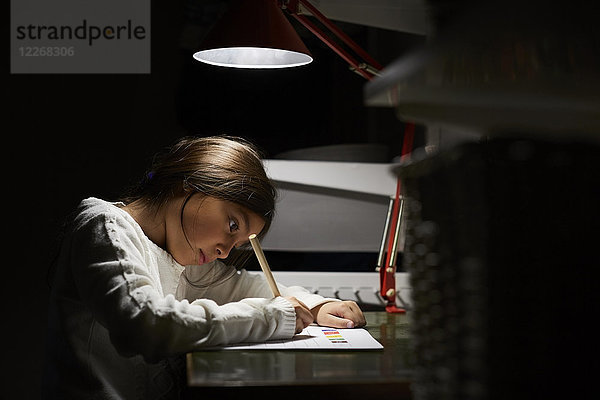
<point>288,374</point>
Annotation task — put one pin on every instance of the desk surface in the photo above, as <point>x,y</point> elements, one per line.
<point>353,372</point>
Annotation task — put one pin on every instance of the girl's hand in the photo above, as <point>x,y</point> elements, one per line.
<point>303,315</point>
<point>339,314</point>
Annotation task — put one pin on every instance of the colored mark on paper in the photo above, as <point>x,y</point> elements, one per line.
<point>334,336</point>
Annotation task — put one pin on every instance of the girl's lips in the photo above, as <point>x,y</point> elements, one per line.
<point>201,258</point>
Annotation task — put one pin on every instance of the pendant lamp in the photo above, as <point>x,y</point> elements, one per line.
<point>253,34</point>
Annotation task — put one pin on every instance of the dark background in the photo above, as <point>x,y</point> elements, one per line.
<point>68,137</point>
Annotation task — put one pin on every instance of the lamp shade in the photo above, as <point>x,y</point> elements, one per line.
<point>253,34</point>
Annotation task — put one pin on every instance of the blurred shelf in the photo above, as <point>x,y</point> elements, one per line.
<point>510,71</point>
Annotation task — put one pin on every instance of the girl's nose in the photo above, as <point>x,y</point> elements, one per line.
<point>223,250</point>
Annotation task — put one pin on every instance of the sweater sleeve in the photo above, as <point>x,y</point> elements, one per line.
<point>112,279</point>
<point>238,285</point>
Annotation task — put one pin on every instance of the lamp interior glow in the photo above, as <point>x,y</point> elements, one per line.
<point>252,57</point>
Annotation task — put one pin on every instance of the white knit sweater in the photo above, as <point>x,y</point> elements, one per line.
<point>120,304</point>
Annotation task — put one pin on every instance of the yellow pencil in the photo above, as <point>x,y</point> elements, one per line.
<point>262,260</point>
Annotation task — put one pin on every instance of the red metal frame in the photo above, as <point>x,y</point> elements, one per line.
<point>365,69</point>
<point>293,8</point>
<point>387,271</point>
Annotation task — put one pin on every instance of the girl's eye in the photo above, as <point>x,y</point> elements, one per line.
<point>233,226</point>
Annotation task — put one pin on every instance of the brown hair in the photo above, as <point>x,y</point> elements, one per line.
<point>224,167</point>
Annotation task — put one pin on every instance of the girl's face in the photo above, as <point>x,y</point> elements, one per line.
<point>210,229</point>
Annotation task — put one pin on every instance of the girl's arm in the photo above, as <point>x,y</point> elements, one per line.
<point>112,279</point>
<point>236,285</point>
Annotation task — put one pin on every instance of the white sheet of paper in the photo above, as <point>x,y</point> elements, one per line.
<point>316,337</point>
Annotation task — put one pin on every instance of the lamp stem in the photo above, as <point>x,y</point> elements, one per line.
<point>367,69</point>
<point>333,46</point>
<point>340,34</point>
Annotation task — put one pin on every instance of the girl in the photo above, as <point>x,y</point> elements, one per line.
<point>141,282</point>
